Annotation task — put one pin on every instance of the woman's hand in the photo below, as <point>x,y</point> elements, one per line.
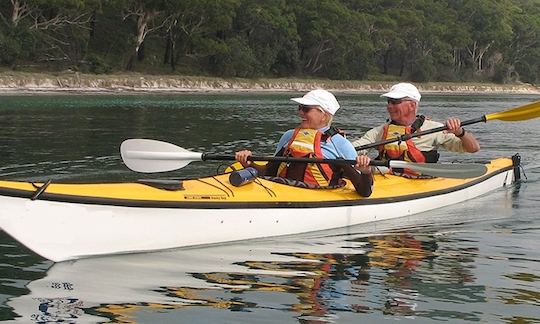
<point>242,157</point>
<point>362,164</point>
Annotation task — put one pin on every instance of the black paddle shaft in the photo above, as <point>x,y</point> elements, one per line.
<point>212,157</point>
<point>405,137</point>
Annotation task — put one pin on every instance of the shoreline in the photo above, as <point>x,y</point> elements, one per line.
<point>77,83</point>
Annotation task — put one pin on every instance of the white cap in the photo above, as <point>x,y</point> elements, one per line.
<point>321,98</point>
<point>403,90</point>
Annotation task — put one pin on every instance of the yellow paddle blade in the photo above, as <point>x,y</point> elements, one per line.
<point>528,111</point>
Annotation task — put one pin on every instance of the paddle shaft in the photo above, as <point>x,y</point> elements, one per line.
<point>405,137</point>
<point>214,157</point>
<point>458,171</point>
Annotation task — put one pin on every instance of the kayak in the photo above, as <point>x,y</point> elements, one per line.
<point>70,221</point>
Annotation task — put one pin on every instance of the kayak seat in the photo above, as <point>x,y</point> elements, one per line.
<point>163,184</point>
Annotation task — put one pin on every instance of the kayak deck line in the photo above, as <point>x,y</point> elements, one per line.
<point>222,199</point>
<point>218,187</point>
<point>40,189</point>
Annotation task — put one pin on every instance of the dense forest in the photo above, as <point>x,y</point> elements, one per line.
<point>417,40</point>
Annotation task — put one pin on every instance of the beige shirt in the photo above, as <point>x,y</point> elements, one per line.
<point>424,143</point>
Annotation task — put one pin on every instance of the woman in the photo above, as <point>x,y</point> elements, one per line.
<point>315,138</point>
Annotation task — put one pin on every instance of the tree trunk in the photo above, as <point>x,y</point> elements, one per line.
<point>93,24</point>
<point>168,51</point>
<point>173,56</point>
<point>140,52</point>
<point>386,58</point>
<point>130,64</point>
<point>143,18</point>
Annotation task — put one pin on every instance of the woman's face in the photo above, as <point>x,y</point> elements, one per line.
<point>312,117</point>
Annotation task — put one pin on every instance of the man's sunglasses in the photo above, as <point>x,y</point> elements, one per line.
<point>396,101</point>
<point>306,109</point>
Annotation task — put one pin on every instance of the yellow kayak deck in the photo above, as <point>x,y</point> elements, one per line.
<point>217,192</point>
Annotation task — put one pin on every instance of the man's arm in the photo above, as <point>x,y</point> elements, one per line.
<point>469,142</point>
<point>371,136</point>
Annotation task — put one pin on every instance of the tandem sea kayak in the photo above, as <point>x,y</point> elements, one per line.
<point>70,221</point>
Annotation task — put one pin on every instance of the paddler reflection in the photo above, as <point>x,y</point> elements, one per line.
<point>399,255</point>
<point>322,284</point>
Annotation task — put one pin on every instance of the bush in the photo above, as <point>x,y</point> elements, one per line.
<point>9,50</point>
<point>446,74</point>
<point>235,60</point>
<point>422,70</point>
<point>97,65</point>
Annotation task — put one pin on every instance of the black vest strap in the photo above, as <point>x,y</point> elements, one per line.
<point>331,132</point>
<point>419,121</point>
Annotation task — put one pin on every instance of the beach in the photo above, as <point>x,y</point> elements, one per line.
<point>75,82</point>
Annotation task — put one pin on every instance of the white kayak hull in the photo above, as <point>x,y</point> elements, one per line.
<point>62,231</point>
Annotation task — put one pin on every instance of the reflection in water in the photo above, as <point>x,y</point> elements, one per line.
<point>399,255</point>
<point>316,283</point>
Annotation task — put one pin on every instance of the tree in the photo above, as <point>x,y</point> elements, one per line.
<point>47,31</point>
<point>522,53</point>
<point>333,38</point>
<point>147,15</point>
<point>486,32</point>
<point>196,31</point>
<point>269,30</point>
<point>419,40</point>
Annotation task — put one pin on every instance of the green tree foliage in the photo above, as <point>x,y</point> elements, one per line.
<point>418,40</point>
<point>269,31</point>
<point>489,29</point>
<point>521,57</point>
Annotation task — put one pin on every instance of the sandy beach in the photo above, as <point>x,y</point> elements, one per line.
<point>74,82</point>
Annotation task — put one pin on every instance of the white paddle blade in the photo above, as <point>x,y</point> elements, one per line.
<point>147,156</point>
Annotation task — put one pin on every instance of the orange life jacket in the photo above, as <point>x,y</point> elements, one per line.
<point>306,142</point>
<point>400,150</point>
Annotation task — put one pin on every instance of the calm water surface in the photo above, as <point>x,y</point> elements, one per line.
<point>477,261</point>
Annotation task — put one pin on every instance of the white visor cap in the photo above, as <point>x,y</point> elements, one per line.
<point>403,90</point>
<point>321,98</point>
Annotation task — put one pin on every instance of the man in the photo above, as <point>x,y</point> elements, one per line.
<point>402,105</point>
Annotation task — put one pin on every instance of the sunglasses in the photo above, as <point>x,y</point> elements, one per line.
<point>396,101</point>
<point>306,109</point>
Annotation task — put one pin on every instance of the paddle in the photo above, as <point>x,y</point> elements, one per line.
<point>525,112</point>
<point>145,155</point>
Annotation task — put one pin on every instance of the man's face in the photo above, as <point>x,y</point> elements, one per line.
<point>402,111</point>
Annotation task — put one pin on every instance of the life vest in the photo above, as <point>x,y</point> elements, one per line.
<point>306,142</point>
<point>402,150</point>
<point>399,150</point>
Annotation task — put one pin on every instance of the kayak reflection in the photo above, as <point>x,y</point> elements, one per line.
<point>313,281</point>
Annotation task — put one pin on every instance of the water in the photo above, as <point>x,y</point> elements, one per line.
<point>477,261</point>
